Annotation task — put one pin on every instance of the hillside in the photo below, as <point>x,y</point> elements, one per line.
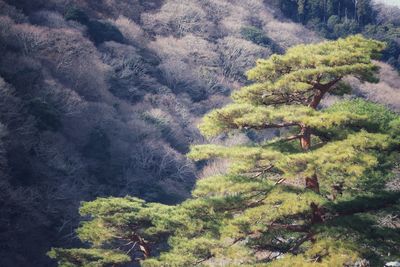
<point>390,2</point>
<point>102,98</point>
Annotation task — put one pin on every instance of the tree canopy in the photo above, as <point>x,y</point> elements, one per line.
<point>313,196</point>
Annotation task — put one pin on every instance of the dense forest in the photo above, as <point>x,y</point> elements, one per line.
<point>102,99</point>
<point>339,18</point>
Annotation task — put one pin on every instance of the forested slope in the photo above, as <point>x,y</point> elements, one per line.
<point>340,18</point>
<point>102,98</point>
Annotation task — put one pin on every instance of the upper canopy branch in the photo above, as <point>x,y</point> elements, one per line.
<point>325,87</point>
<point>270,125</point>
<point>322,89</point>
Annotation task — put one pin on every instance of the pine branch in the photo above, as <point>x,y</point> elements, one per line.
<point>321,90</point>
<point>300,242</point>
<point>330,84</point>
<point>324,87</point>
<point>291,227</point>
<point>271,125</point>
<point>203,260</point>
<point>290,138</point>
<point>373,204</point>
<point>262,171</point>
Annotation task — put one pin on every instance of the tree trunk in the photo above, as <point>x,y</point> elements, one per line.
<point>337,189</point>
<point>305,139</point>
<point>312,183</point>
<point>317,98</point>
<point>317,213</point>
<point>144,247</point>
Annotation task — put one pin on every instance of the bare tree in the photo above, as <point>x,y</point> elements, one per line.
<point>178,18</point>
<point>238,55</point>
<point>131,30</point>
<point>49,19</point>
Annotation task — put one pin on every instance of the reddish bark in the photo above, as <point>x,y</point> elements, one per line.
<point>305,139</point>
<point>144,247</point>
<point>312,183</point>
<point>321,89</point>
<point>316,213</point>
<point>337,189</point>
<point>317,99</point>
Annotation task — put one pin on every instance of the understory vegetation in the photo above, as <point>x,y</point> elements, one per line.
<point>101,100</point>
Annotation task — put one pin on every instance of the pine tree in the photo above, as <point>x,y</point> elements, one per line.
<point>311,197</point>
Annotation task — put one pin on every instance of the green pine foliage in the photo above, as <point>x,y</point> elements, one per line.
<point>311,197</point>
<point>88,257</point>
<point>257,36</point>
